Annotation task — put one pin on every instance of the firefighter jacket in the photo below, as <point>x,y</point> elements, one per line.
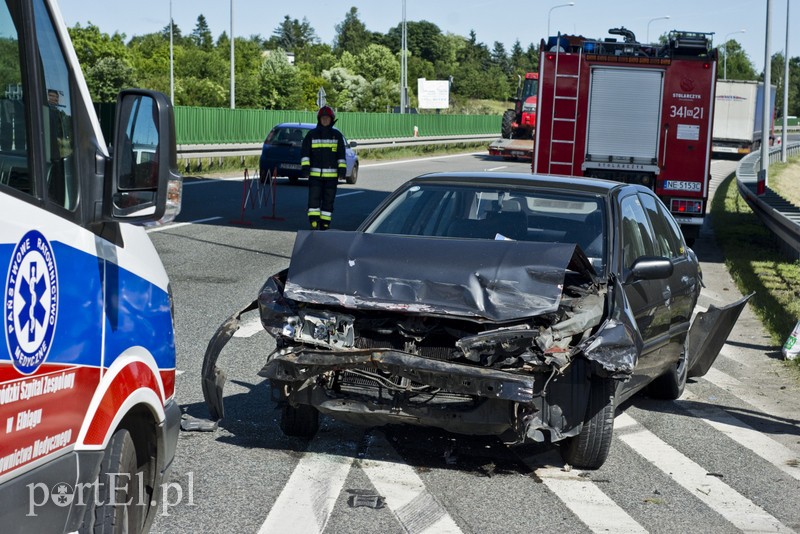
<point>322,154</point>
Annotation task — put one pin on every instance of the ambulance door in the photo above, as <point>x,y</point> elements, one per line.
<point>51,350</point>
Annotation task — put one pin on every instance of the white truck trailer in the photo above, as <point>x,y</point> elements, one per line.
<point>737,116</point>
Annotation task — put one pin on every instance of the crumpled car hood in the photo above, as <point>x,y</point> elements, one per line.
<point>494,280</point>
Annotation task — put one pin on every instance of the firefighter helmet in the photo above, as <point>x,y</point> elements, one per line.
<point>326,110</point>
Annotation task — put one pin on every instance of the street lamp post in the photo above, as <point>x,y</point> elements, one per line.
<point>725,61</point>
<point>665,17</point>
<point>551,10</point>
<point>233,76</point>
<point>171,74</point>
<point>766,116</point>
<point>785,124</point>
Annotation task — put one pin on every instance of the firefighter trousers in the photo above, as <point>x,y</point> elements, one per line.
<point>321,195</point>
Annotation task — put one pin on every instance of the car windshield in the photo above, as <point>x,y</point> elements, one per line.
<point>286,136</point>
<point>485,212</point>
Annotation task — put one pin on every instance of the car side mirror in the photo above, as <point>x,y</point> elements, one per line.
<point>353,144</point>
<point>651,268</point>
<point>143,186</point>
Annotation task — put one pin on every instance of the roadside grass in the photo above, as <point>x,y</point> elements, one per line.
<point>756,263</point>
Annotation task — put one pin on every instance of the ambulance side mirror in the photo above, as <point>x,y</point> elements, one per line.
<point>144,185</point>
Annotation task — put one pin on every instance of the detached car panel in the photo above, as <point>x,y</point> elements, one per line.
<point>430,313</point>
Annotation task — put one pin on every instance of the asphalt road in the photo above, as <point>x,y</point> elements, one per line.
<point>723,458</point>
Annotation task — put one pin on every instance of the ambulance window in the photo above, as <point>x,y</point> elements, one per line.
<point>59,144</point>
<point>13,132</point>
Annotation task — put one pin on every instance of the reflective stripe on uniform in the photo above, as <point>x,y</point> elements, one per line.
<point>314,212</point>
<point>325,215</point>
<point>305,162</point>
<point>342,164</point>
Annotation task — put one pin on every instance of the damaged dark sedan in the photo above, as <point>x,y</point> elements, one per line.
<point>525,307</point>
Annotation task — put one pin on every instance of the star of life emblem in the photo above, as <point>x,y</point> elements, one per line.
<point>31,302</point>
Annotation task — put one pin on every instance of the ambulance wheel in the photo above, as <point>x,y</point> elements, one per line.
<point>589,449</point>
<point>301,421</point>
<point>120,466</point>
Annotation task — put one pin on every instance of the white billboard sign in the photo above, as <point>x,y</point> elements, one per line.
<point>433,94</point>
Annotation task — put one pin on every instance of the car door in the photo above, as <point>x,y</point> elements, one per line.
<point>648,299</point>
<point>684,284</point>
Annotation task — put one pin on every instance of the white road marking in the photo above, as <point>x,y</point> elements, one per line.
<point>178,372</point>
<point>740,511</point>
<point>349,193</point>
<point>497,168</point>
<point>404,492</point>
<point>585,499</point>
<point>249,328</point>
<point>764,446</point>
<point>178,225</point>
<point>306,502</point>
<point>398,162</point>
<point>748,394</point>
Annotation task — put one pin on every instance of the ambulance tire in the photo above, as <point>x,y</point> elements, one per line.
<point>301,421</point>
<point>120,459</point>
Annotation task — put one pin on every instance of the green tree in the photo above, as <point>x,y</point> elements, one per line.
<point>107,77</point>
<point>777,79</point>
<point>377,61</point>
<point>201,36</point>
<point>293,34</point>
<point>280,83</point>
<point>738,65</point>
<point>425,40</point>
<point>351,34</point>
<point>318,57</point>
<point>349,92</point>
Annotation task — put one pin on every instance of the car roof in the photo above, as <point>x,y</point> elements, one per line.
<point>306,125</point>
<point>585,185</point>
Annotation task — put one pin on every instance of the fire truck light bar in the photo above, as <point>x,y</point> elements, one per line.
<point>686,206</point>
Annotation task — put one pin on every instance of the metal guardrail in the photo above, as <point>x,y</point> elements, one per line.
<point>781,217</point>
<point>254,149</point>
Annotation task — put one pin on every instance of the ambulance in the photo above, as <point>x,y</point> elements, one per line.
<point>88,416</point>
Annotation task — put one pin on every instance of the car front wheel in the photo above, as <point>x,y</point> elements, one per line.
<point>670,385</point>
<point>589,449</point>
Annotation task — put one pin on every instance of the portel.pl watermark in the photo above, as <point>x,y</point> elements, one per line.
<point>117,489</point>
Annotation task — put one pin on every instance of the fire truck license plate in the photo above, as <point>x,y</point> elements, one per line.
<point>673,185</point>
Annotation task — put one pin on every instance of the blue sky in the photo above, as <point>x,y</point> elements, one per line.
<point>492,20</point>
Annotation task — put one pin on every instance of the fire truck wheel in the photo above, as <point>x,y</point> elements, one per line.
<point>119,469</point>
<point>589,449</point>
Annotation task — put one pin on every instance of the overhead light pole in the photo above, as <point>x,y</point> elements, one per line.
<point>233,76</point>
<point>785,124</point>
<point>404,64</point>
<point>551,10</point>
<point>766,115</point>
<point>171,73</point>
<point>725,44</point>
<point>665,17</point>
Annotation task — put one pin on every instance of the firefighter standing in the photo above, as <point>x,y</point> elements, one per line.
<point>323,163</point>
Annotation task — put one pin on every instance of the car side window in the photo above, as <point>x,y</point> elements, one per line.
<point>637,237</point>
<point>57,131</point>
<point>667,244</point>
<point>14,151</point>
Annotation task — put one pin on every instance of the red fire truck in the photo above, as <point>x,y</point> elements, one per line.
<point>630,112</point>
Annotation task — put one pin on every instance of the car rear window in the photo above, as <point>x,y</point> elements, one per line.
<point>292,136</point>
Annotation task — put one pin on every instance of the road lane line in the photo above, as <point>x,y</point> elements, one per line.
<point>349,193</point>
<point>737,509</point>
<point>746,436</point>
<point>763,403</point>
<point>306,502</point>
<point>178,225</point>
<point>403,491</point>
<point>583,497</point>
<point>497,168</point>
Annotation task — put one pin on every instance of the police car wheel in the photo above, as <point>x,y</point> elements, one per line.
<point>301,421</point>
<point>119,468</point>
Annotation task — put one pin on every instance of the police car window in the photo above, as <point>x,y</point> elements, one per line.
<point>13,132</point>
<point>62,180</point>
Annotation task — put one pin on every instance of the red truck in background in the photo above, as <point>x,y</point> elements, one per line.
<point>630,112</point>
<point>519,124</point>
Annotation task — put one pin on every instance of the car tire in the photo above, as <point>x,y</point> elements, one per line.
<point>113,515</point>
<point>670,385</point>
<point>589,449</point>
<point>506,127</point>
<point>301,421</point>
<point>353,178</point>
